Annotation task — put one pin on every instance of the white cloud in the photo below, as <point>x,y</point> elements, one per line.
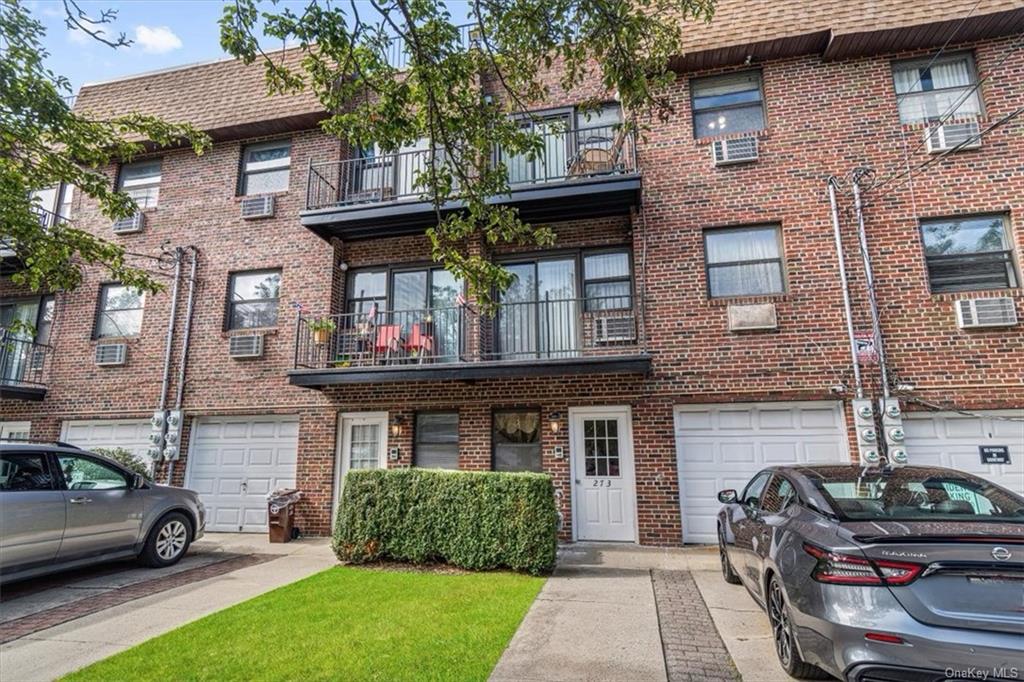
<point>156,39</point>
<point>78,37</point>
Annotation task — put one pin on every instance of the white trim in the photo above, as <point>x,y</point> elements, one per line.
<point>6,428</point>
<point>339,451</point>
<point>618,410</point>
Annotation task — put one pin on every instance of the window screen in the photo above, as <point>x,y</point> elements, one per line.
<point>437,440</point>
<point>968,253</point>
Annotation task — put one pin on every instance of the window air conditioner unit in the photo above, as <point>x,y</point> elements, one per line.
<point>247,346</point>
<point>257,207</point>
<point>132,223</point>
<point>618,329</point>
<point>744,318</point>
<point>111,354</point>
<point>974,313</point>
<point>947,136</point>
<point>734,150</point>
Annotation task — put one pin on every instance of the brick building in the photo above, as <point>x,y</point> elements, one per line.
<point>686,329</point>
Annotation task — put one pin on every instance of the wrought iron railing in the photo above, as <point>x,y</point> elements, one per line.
<point>397,54</point>
<point>567,154</point>
<point>22,361</point>
<point>519,331</point>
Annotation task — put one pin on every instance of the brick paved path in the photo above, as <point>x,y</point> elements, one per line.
<point>693,649</point>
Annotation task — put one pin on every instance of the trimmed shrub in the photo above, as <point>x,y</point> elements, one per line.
<point>475,520</point>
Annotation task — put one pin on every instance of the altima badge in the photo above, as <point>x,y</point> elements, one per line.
<point>1001,553</point>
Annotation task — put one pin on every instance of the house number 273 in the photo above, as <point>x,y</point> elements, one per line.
<point>602,483</point>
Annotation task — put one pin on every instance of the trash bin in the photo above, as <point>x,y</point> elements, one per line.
<point>281,514</point>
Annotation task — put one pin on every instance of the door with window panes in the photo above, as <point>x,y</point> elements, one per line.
<point>601,447</point>
<point>363,443</point>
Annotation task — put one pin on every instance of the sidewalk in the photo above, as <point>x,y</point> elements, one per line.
<point>52,652</point>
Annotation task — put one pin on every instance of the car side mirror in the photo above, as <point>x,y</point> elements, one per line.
<point>727,496</point>
<point>138,481</point>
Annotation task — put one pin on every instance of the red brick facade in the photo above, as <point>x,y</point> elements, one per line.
<point>823,118</point>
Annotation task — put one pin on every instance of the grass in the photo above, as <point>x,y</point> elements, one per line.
<point>342,624</point>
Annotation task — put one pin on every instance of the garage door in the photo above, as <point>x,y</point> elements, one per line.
<point>722,446</point>
<point>234,462</point>
<point>951,439</point>
<point>129,434</point>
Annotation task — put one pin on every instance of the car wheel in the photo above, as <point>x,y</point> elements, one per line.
<point>728,574</point>
<point>168,541</point>
<point>785,640</point>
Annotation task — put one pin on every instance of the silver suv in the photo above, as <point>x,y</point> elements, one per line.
<point>62,507</point>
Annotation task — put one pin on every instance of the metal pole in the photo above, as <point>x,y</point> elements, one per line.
<point>184,345</point>
<point>846,286</point>
<point>178,252</point>
<point>869,280</point>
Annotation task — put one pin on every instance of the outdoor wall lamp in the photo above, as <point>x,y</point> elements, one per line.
<point>553,422</point>
<point>396,426</point>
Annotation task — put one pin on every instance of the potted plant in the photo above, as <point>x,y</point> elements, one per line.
<point>322,329</point>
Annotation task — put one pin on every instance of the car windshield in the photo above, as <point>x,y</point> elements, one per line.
<point>915,494</point>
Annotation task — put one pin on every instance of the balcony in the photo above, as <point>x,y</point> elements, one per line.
<point>530,338</point>
<point>22,368</point>
<point>581,172</point>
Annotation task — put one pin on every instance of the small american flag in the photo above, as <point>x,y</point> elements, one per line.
<point>460,300</point>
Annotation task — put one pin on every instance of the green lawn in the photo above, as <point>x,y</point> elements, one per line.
<point>342,624</point>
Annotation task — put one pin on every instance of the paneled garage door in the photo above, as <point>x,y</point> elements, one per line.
<point>130,434</point>
<point>951,439</point>
<point>723,445</point>
<point>234,462</point>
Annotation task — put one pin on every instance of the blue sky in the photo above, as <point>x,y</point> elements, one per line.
<point>166,33</point>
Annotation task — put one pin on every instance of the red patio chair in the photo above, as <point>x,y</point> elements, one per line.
<point>389,340</point>
<point>420,344</point>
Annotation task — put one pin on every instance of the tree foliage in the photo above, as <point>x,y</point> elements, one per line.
<point>44,143</point>
<point>528,47</point>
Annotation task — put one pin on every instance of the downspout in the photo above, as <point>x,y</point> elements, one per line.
<point>846,286</point>
<point>190,306</point>
<point>869,280</point>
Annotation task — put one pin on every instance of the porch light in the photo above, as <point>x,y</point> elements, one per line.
<point>554,424</point>
<point>396,426</point>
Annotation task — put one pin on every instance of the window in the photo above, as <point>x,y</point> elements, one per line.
<point>516,440</point>
<point>437,440</point>
<point>265,167</point>
<point>777,496</point>
<point>929,90</point>
<point>52,202</point>
<point>743,261</point>
<point>366,289</point>
<point>120,311</point>
<point>727,104</point>
<point>970,253</point>
<point>141,181</point>
<point>606,281</point>
<point>24,472</point>
<point>84,473</point>
<point>752,495</point>
<point>253,299</point>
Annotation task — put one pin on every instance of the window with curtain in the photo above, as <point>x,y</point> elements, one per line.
<point>732,103</point>
<point>253,299</point>
<point>606,281</point>
<point>968,253</point>
<point>743,261</point>
<point>266,167</point>
<point>120,311</point>
<point>932,91</point>
<point>437,440</point>
<point>516,440</point>
<point>141,181</point>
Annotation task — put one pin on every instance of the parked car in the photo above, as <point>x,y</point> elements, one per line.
<point>912,573</point>
<point>62,507</point>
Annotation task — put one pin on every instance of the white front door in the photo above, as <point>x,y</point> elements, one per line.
<point>604,492</point>
<point>362,444</point>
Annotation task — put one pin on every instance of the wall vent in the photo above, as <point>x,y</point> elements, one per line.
<point>246,346</point>
<point>974,313</point>
<point>949,135</point>
<point>258,207</point>
<point>734,150</point>
<point>617,329</point>
<point>132,223</point>
<point>111,354</point>
<point>744,318</point>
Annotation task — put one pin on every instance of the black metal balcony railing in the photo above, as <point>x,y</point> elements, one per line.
<point>22,361</point>
<point>521,331</point>
<point>566,155</point>
<point>398,56</point>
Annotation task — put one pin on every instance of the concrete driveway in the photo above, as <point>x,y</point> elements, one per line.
<point>52,626</point>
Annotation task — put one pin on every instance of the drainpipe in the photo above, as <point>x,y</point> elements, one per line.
<point>846,286</point>
<point>869,280</point>
<point>190,306</point>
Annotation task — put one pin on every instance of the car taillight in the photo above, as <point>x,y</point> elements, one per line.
<point>843,569</point>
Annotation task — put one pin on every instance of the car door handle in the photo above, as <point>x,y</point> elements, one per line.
<point>80,500</point>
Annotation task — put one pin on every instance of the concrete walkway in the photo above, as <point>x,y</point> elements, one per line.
<point>618,612</point>
<point>50,653</point>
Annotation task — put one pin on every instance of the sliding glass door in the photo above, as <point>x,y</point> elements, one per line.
<point>539,313</point>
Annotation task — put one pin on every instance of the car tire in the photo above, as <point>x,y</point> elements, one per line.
<point>167,542</point>
<point>785,640</point>
<point>728,574</point>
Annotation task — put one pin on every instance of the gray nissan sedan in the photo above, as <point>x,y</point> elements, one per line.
<point>62,507</point>
<point>912,573</point>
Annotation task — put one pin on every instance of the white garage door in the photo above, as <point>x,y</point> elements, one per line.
<point>234,462</point>
<point>723,445</point>
<point>129,434</point>
<point>950,439</point>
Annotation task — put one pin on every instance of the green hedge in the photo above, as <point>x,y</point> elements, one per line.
<point>476,520</point>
